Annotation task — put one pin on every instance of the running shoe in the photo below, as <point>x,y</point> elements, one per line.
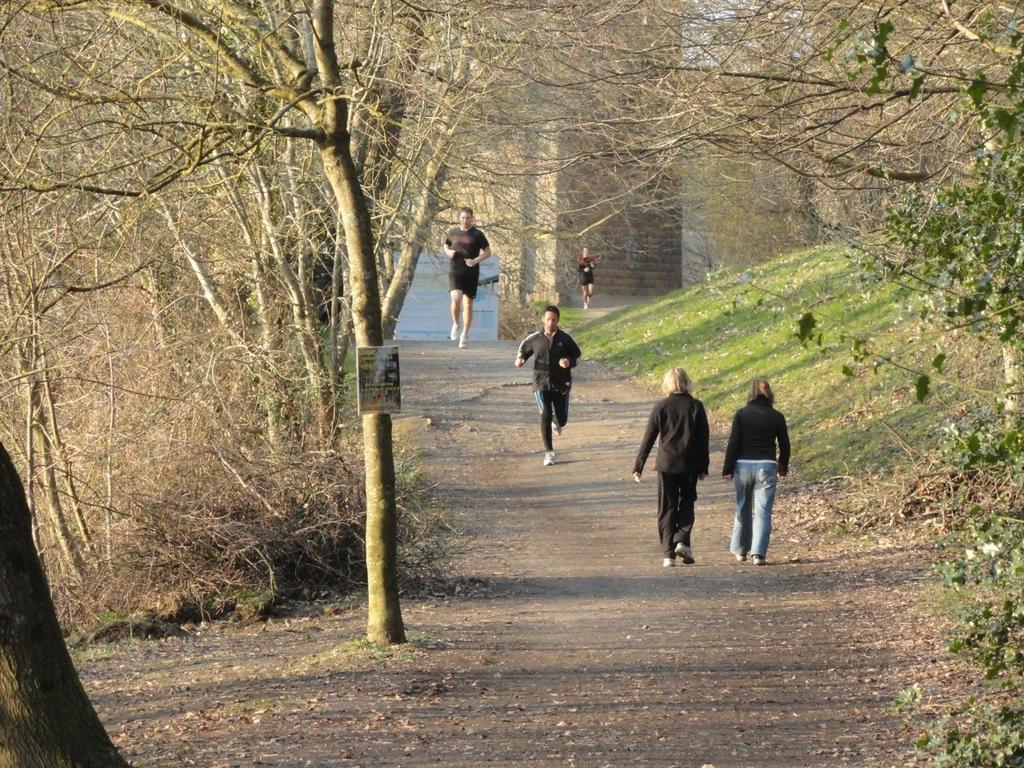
<point>668,562</point>
<point>757,559</point>
<point>556,426</point>
<point>741,558</point>
<point>455,332</point>
<point>549,458</point>
<point>685,553</point>
<point>462,342</point>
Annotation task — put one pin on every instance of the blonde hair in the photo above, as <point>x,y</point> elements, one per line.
<point>760,388</point>
<point>677,380</point>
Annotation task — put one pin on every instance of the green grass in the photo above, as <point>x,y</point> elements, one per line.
<point>742,325</point>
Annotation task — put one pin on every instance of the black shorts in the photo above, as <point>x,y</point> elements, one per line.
<point>586,278</point>
<point>464,281</point>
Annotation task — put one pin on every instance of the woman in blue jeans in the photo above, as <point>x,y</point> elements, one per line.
<point>752,463</point>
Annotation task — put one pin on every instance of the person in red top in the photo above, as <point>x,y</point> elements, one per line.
<point>585,265</point>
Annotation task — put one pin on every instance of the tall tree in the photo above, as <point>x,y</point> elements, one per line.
<point>286,55</point>
<point>46,719</point>
<point>280,155</point>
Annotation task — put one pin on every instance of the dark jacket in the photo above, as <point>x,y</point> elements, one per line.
<point>680,424</point>
<point>547,373</point>
<point>755,431</point>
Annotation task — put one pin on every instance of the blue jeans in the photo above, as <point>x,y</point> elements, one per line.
<point>755,494</point>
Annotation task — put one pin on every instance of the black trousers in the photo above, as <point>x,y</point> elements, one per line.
<point>552,405</point>
<point>676,496</point>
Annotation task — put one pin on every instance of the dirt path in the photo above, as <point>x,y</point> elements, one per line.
<point>581,650</point>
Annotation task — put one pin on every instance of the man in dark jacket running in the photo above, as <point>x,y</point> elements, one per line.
<point>554,356</point>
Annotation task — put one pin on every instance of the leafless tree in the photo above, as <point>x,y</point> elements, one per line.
<point>289,58</point>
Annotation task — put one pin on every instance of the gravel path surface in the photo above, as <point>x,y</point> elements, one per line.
<point>575,649</point>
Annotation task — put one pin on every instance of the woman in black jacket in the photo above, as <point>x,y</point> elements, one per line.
<point>751,461</point>
<point>680,424</point>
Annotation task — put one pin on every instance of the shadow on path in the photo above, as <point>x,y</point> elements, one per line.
<point>579,649</point>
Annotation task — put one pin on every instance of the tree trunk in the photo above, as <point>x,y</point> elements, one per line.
<point>71,556</point>
<point>423,206</point>
<point>400,286</point>
<point>38,444</point>
<point>46,719</point>
<point>384,616</point>
<point>302,313</point>
<point>57,442</point>
<point>270,395</point>
<point>340,316</point>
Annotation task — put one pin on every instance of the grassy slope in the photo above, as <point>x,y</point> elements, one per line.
<point>739,326</point>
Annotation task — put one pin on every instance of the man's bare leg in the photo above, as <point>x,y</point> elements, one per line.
<point>456,309</point>
<point>467,319</point>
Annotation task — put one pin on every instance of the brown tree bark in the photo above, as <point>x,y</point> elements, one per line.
<point>46,719</point>
<point>423,204</point>
<point>384,616</point>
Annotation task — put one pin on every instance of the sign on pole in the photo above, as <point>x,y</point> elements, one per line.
<point>378,383</point>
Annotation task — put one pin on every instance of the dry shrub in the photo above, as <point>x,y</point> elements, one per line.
<point>516,321</point>
<point>927,495</point>
<point>427,539</point>
<point>227,528</point>
<point>235,533</point>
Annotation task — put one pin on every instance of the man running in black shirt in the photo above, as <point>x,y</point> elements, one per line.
<point>465,246</point>
<point>554,356</point>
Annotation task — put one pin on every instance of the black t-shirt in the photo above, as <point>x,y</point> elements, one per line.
<point>467,244</point>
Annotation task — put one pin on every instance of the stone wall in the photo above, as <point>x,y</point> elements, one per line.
<point>633,221</point>
<point>633,227</point>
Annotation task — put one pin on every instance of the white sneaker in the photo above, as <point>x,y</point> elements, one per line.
<point>549,458</point>
<point>686,553</point>
<point>455,332</point>
<point>586,305</point>
<point>462,342</point>
<point>556,426</point>
<point>668,562</point>
<point>741,558</point>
